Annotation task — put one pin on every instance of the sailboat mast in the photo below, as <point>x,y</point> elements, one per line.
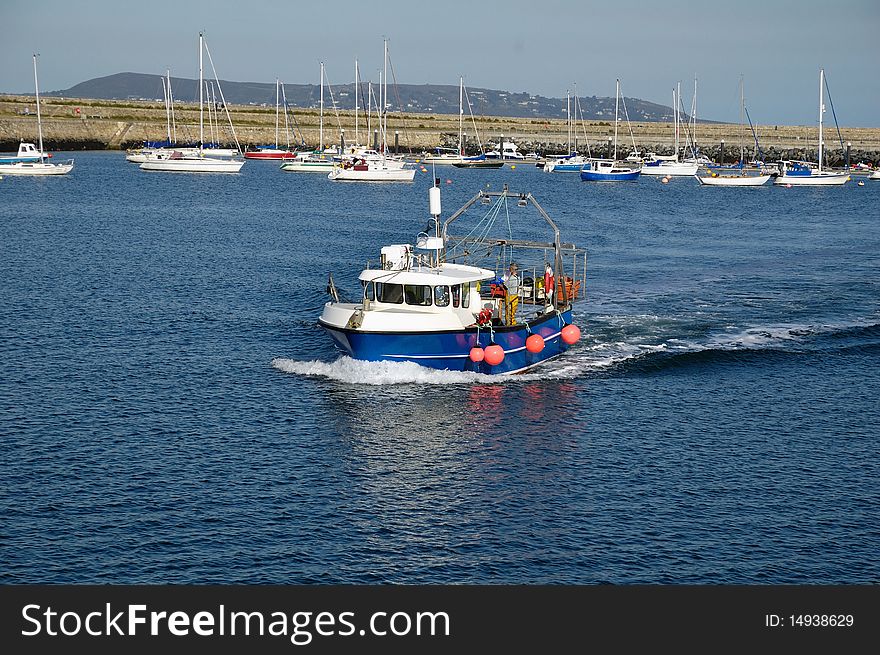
<point>742,104</point>
<point>385,98</point>
<point>321,119</point>
<point>39,117</point>
<point>821,111</point>
<point>676,100</point>
<point>201,99</point>
<point>167,115</point>
<point>357,138</point>
<point>460,115</point>
<point>277,100</point>
<point>568,116</point>
<point>616,103</point>
<point>171,109</point>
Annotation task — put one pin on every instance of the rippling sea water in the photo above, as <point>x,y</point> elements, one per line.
<point>170,412</point>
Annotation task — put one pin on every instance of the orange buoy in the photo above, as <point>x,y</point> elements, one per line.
<point>477,354</point>
<point>494,354</point>
<point>535,343</point>
<point>570,334</point>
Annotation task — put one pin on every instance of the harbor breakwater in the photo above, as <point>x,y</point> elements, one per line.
<point>78,124</point>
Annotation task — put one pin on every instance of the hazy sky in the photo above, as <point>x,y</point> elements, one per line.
<point>539,46</point>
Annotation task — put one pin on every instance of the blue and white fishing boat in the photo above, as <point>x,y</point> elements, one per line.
<point>430,304</point>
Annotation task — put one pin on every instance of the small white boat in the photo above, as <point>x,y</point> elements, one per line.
<point>732,180</point>
<point>802,173</point>
<point>177,162</point>
<point>441,156</point>
<point>361,170</point>
<point>875,175</point>
<point>310,162</point>
<point>671,169</point>
<point>37,161</point>
<point>26,152</point>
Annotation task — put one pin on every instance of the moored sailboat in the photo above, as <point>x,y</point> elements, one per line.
<point>35,163</point>
<point>741,178</point>
<point>180,161</point>
<point>802,173</point>
<point>610,170</point>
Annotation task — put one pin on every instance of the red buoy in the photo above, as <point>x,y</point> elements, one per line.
<point>535,343</point>
<point>477,354</point>
<point>494,354</point>
<point>570,334</point>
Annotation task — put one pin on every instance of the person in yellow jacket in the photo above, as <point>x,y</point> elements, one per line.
<point>511,299</point>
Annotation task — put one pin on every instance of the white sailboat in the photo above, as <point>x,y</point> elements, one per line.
<point>740,179</point>
<point>40,165</point>
<point>178,161</point>
<point>383,169</point>
<point>801,173</point>
<point>448,155</point>
<point>321,160</point>
<point>671,166</point>
<point>571,162</point>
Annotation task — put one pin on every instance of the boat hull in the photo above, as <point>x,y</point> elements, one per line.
<point>378,175</point>
<point>815,179</point>
<point>203,165</point>
<point>601,176</point>
<point>450,350</point>
<point>36,168</point>
<point>270,155</point>
<point>673,169</point>
<point>734,180</point>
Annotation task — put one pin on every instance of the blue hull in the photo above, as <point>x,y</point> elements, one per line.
<point>598,176</point>
<point>567,168</point>
<point>451,350</point>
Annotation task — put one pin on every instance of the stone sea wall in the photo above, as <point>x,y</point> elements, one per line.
<point>78,124</point>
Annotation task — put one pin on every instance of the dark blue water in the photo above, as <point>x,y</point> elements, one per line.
<point>169,411</point>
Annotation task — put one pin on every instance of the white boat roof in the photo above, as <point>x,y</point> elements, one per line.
<point>444,274</point>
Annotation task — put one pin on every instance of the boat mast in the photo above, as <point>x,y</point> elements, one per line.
<point>616,102</point>
<point>568,116</point>
<point>742,104</point>
<point>277,99</point>
<point>201,99</point>
<point>39,117</point>
<point>357,138</point>
<point>675,117</point>
<point>321,119</point>
<point>821,111</point>
<point>385,98</point>
<point>171,108</point>
<point>460,115</point>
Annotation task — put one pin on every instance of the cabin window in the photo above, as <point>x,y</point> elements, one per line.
<point>417,294</point>
<point>466,295</point>
<point>369,291</point>
<point>441,295</point>
<point>390,293</point>
<point>456,295</point>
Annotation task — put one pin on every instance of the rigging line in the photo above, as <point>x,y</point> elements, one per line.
<point>474,121</point>
<point>333,100</point>
<point>758,154</point>
<point>687,132</point>
<point>222,99</point>
<point>628,124</point>
<point>399,102</point>
<point>483,231</point>
<point>831,102</point>
<point>577,102</point>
